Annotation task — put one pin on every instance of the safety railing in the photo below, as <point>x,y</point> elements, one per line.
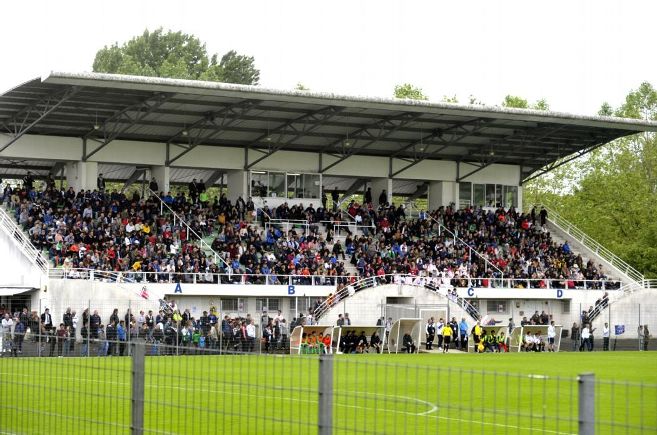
<point>330,280</point>
<point>471,251</point>
<point>177,219</point>
<point>288,224</point>
<point>597,248</point>
<point>197,277</point>
<point>650,283</point>
<point>23,242</point>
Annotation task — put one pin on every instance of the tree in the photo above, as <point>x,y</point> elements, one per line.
<point>541,104</point>
<point>611,193</point>
<point>515,102</point>
<point>301,87</point>
<point>174,55</point>
<point>410,92</point>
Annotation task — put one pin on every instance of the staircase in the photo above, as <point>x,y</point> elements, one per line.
<point>21,240</point>
<point>562,230</point>
<point>177,219</point>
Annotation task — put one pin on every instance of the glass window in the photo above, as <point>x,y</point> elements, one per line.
<point>499,197</point>
<point>294,186</point>
<point>496,306</point>
<point>311,185</point>
<point>465,195</point>
<point>479,195</point>
<point>490,195</point>
<point>276,185</point>
<point>565,307</point>
<point>229,304</point>
<point>259,184</point>
<point>510,196</point>
<point>268,304</point>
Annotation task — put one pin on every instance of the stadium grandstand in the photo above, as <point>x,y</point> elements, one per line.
<point>278,208</point>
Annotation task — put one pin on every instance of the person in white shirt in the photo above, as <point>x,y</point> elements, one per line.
<point>7,324</point>
<point>605,337</point>
<point>551,333</point>
<point>586,339</point>
<point>250,336</point>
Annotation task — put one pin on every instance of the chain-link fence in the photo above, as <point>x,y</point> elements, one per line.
<point>160,388</point>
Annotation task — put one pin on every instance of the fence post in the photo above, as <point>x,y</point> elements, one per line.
<point>137,397</point>
<point>586,397</point>
<point>325,408</point>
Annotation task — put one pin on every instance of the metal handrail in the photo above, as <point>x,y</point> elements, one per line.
<point>189,229</point>
<point>23,242</point>
<point>433,284</point>
<point>288,223</point>
<point>129,276</point>
<point>583,238</point>
<point>200,277</point>
<point>457,238</point>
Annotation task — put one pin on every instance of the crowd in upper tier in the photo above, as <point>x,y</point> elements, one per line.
<point>110,231</point>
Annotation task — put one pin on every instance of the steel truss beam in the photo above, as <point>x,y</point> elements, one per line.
<point>18,125</point>
<point>492,160</point>
<point>385,128</point>
<point>211,124</point>
<point>552,166</point>
<point>478,124</point>
<point>311,121</point>
<point>136,175</point>
<point>122,121</point>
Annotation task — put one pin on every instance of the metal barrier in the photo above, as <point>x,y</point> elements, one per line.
<point>21,240</point>
<point>180,220</point>
<point>583,238</point>
<point>152,390</point>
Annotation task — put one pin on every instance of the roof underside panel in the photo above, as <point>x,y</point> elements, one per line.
<point>192,113</point>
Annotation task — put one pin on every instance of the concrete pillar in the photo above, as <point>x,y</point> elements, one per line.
<point>237,184</point>
<point>520,198</point>
<point>442,193</point>
<point>82,175</point>
<point>378,185</point>
<point>161,175</point>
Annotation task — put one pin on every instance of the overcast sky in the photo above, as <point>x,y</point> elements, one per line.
<point>576,54</point>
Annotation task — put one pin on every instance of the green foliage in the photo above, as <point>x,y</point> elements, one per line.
<point>174,55</point>
<point>448,99</point>
<point>541,104</point>
<point>515,102</point>
<point>301,87</point>
<point>409,91</point>
<point>611,194</point>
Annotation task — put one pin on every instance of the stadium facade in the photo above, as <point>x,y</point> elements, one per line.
<point>296,147</point>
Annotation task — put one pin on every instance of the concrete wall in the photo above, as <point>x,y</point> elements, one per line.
<point>233,158</point>
<point>17,270</point>
<point>365,307</point>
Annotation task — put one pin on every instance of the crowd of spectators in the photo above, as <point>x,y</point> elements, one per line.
<point>168,331</point>
<point>109,231</point>
<point>458,245</point>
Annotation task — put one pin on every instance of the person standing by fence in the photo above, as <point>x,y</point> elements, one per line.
<point>605,337</point>
<point>574,336</point>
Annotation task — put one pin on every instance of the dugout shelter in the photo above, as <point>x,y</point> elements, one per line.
<point>394,341</point>
<point>513,340</point>
<point>297,336</point>
<point>340,331</point>
<point>542,331</point>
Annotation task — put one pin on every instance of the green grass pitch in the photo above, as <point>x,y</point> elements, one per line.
<point>415,394</point>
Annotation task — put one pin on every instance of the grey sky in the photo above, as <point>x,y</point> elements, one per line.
<point>575,54</point>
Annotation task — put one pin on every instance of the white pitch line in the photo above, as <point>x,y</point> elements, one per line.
<point>433,409</point>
